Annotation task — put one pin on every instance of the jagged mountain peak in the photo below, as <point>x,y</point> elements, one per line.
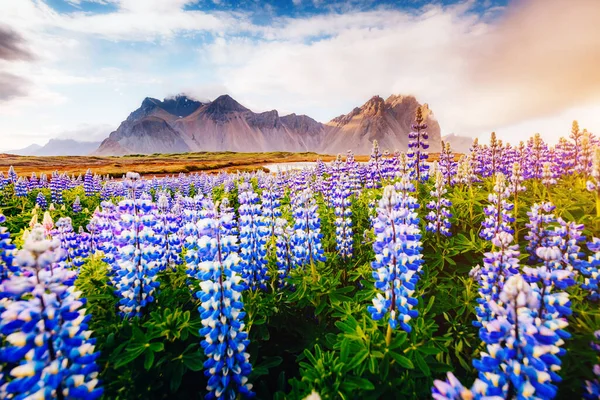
<point>225,103</point>
<point>178,106</point>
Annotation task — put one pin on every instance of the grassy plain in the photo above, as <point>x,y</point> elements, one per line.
<point>159,164</point>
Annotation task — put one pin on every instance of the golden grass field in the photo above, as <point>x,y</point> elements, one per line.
<point>158,164</point>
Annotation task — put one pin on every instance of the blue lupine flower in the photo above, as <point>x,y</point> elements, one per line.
<point>7,251</point>
<point>271,204</point>
<point>306,242</point>
<point>225,341</point>
<point>448,166</point>
<point>592,388</point>
<point>589,270</point>
<point>398,262</point>
<point>254,232</point>
<point>47,351</point>
<point>540,218</point>
<point>375,167</point>
<point>498,213</point>
<point>68,240</point>
<point>56,188</point>
<point>77,205</point>
<point>439,214</point>
<point>12,175</point>
<point>343,216</point>
<point>498,266</point>
<point>139,256</point>
<point>41,201</point>
<point>170,219</point>
<point>21,189</point>
<point>522,349</point>
<point>283,249</point>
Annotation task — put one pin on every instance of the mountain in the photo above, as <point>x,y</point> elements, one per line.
<point>26,151</point>
<point>58,147</point>
<point>459,144</point>
<point>387,121</point>
<point>181,124</point>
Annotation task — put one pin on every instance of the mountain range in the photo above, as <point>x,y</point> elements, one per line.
<point>181,124</point>
<point>58,147</point>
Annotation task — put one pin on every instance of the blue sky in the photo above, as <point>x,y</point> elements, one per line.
<point>77,68</point>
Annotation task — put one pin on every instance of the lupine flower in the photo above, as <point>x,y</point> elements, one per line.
<point>592,388</point>
<point>448,166</point>
<point>7,250</point>
<point>343,222</point>
<point>47,348</point>
<point>498,213</point>
<point>306,242</point>
<point>12,175</point>
<point>170,223</point>
<point>586,155</point>
<point>589,269</point>
<point>540,218</point>
<point>225,341</point>
<point>498,266</point>
<point>375,167</point>
<point>283,249</point>
<point>139,256</point>
<point>439,214</point>
<point>41,201</point>
<point>68,240</point>
<point>77,205</point>
<point>271,203</point>
<point>398,263</point>
<point>417,147</point>
<point>254,232</point>
<point>522,350</point>
<point>548,177</point>
<point>56,188</point>
<point>21,189</point>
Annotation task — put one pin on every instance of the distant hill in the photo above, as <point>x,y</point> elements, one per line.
<point>181,124</point>
<point>58,147</point>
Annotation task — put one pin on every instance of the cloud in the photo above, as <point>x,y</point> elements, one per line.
<point>12,46</point>
<point>87,132</point>
<point>12,86</point>
<point>538,58</point>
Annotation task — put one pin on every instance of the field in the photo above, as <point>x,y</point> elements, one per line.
<point>397,278</point>
<point>156,164</point>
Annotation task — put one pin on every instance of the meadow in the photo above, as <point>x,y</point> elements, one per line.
<point>398,278</point>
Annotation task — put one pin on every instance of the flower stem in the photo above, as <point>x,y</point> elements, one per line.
<point>388,335</point>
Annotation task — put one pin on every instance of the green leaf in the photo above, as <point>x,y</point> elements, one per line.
<point>429,350</point>
<point>356,382</point>
<point>157,346</point>
<point>422,364</point>
<point>131,353</point>
<point>358,359</point>
<point>404,362</point>
<point>398,340</point>
<point>149,360</point>
<point>194,361</point>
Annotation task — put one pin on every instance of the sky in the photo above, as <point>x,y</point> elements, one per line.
<point>77,68</point>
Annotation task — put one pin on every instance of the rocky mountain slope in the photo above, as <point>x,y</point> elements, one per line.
<point>181,124</point>
<point>387,121</point>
